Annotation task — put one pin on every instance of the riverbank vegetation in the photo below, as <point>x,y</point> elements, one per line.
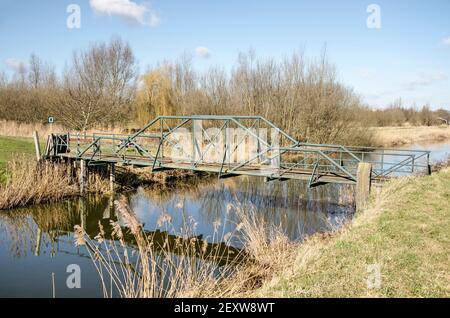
<point>28,182</point>
<point>405,233</point>
<point>397,247</point>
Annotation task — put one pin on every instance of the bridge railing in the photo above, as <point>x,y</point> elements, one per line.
<point>385,162</point>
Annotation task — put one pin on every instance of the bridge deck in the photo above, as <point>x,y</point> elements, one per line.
<point>247,170</point>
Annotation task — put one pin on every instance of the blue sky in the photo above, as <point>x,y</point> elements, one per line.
<point>408,57</point>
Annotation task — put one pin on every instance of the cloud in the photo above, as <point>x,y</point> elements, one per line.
<point>203,52</point>
<point>424,80</point>
<point>445,41</point>
<point>141,14</point>
<point>15,64</point>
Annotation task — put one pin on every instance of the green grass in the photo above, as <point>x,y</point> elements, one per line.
<point>11,146</point>
<point>14,146</point>
<point>406,232</point>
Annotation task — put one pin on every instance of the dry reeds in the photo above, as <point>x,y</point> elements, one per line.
<point>13,128</point>
<point>156,267</point>
<point>187,266</point>
<point>20,129</point>
<point>29,182</point>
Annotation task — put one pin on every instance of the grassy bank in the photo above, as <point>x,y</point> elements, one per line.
<point>405,233</point>
<point>397,136</point>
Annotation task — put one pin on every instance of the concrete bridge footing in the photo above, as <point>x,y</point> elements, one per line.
<point>363,185</point>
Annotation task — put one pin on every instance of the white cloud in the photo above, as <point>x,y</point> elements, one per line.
<point>131,11</point>
<point>203,52</point>
<point>15,64</point>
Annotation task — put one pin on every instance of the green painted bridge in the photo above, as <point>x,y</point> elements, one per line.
<point>231,146</point>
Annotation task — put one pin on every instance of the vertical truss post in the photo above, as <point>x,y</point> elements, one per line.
<point>78,143</point>
<point>162,138</point>
<point>193,142</point>
<point>82,177</point>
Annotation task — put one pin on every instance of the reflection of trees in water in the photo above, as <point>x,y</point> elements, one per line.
<point>299,209</point>
<point>29,229</point>
<point>43,226</point>
<point>292,204</point>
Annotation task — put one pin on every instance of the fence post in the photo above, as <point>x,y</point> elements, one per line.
<point>37,147</point>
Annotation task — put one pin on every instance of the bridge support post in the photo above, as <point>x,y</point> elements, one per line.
<point>83,176</point>
<point>363,185</point>
<point>112,177</point>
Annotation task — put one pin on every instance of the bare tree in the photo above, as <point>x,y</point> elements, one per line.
<point>40,74</point>
<point>99,86</point>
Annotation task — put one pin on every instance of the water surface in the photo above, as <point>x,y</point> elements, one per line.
<point>38,241</point>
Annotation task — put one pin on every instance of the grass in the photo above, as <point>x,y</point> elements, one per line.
<point>397,136</point>
<point>11,146</point>
<point>405,233</point>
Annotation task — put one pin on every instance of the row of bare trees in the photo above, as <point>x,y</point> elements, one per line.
<point>97,88</point>
<point>301,95</point>
<point>396,115</point>
<point>100,87</point>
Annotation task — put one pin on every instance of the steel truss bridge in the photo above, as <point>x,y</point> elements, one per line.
<point>234,145</point>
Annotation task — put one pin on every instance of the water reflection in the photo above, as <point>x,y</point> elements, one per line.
<point>36,241</point>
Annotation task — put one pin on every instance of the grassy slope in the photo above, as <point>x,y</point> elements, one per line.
<point>406,231</point>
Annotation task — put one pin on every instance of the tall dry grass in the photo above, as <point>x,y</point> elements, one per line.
<point>21,129</point>
<point>397,136</point>
<point>30,182</point>
<point>158,269</point>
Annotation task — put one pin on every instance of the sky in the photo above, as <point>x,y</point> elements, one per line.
<point>384,50</point>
